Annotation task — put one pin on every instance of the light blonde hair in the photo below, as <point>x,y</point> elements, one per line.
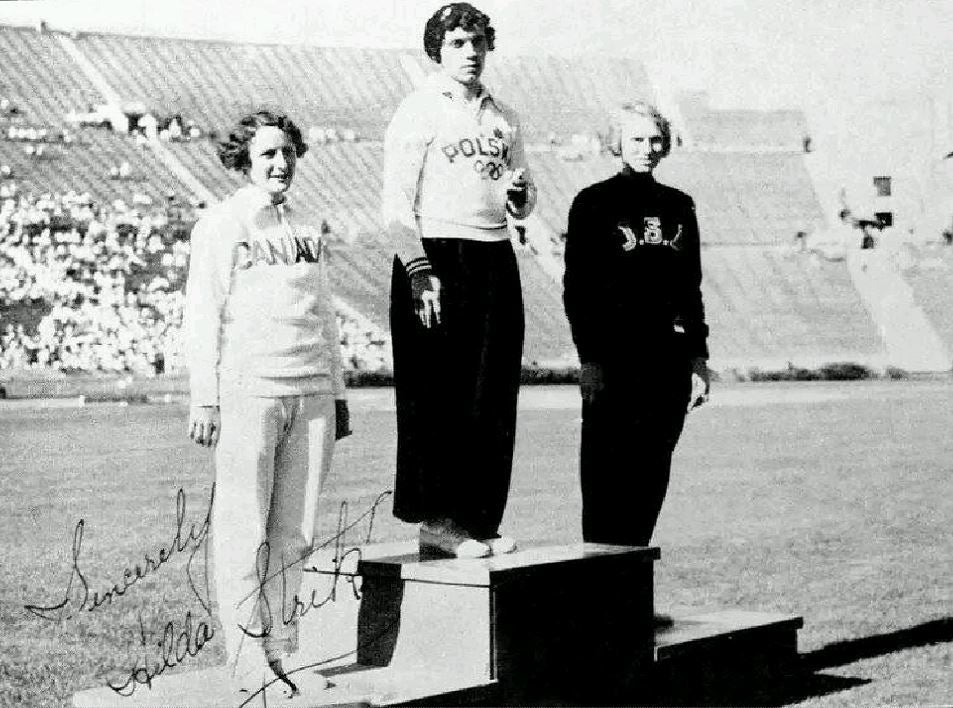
<point>640,108</point>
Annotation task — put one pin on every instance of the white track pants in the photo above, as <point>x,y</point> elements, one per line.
<point>271,459</point>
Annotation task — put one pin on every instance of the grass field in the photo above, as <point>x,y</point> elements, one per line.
<point>833,501</point>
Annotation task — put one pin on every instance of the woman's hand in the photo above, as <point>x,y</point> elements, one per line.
<point>205,424</point>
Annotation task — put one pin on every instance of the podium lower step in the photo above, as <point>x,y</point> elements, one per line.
<point>352,686</point>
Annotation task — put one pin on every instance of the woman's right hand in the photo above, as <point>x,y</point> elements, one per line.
<point>425,291</point>
<point>591,381</point>
<point>205,425</point>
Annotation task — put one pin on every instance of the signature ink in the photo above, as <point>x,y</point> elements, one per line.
<point>174,645</point>
<point>79,598</point>
<point>297,607</point>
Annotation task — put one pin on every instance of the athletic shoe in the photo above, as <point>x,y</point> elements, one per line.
<point>443,538</point>
<point>501,545</point>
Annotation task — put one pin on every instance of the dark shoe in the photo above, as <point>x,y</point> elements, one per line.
<point>279,671</point>
<point>443,538</point>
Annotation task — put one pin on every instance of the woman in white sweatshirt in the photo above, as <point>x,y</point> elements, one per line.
<point>453,168</point>
<point>267,390</point>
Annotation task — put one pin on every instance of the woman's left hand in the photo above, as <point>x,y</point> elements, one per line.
<point>701,383</point>
<point>342,419</point>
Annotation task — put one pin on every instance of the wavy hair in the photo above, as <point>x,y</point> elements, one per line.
<point>641,108</point>
<point>450,17</point>
<point>233,150</point>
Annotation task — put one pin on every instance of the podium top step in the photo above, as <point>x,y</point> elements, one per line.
<point>404,562</point>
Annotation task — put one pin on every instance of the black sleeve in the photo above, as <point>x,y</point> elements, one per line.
<point>693,309</point>
<point>580,289</point>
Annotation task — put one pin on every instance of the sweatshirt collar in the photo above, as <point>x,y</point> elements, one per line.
<point>456,92</point>
<point>256,198</point>
<point>632,177</point>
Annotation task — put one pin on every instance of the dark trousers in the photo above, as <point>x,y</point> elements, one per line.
<point>628,435</point>
<point>457,386</point>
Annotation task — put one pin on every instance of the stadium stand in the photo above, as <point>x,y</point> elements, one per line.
<point>558,180</point>
<point>84,164</point>
<point>215,82</point>
<point>768,306</point>
<point>563,96</point>
<point>713,129</point>
<point>547,339</point>
<point>746,197</point>
<point>929,272</point>
<point>360,275</point>
<point>199,157</point>
<point>745,169</point>
<point>44,81</point>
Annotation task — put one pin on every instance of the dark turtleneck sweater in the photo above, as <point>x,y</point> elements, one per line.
<point>633,273</point>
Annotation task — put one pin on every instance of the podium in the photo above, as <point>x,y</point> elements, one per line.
<point>535,618</point>
<point>552,624</point>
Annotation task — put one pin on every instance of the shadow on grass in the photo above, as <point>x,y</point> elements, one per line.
<point>773,681</point>
<point>851,650</point>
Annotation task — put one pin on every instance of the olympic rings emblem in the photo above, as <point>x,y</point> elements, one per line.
<point>489,169</point>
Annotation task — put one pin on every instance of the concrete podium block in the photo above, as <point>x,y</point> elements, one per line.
<point>534,617</point>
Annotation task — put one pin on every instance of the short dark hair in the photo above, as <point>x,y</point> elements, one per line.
<point>450,17</point>
<point>233,151</point>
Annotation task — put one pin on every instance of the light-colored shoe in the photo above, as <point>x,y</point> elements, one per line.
<point>501,545</point>
<point>444,538</point>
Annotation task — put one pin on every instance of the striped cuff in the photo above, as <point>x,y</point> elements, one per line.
<point>418,266</point>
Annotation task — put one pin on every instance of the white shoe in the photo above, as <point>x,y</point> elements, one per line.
<point>444,538</point>
<point>501,545</point>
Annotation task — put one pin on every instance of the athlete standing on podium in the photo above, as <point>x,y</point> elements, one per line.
<point>633,297</point>
<point>453,168</point>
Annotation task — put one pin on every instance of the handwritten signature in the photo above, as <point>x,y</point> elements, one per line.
<point>173,646</point>
<point>130,576</point>
<point>187,638</point>
<point>296,607</point>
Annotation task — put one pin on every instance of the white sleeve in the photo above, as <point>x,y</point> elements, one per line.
<point>210,266</point>
<point>405,150</point>
<point>332,334</point>
<point>518,161</point>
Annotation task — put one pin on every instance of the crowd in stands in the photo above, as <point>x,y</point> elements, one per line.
<point>122,171</point>
<point>98,288</point>
<point>321,135</point>
<point>37,134</point>
<point>172,128</point>
<point>8,108</point>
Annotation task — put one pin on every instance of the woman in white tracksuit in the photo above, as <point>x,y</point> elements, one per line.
<point>267,390</point>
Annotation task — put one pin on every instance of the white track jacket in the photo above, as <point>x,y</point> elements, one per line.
<point>258,308</point>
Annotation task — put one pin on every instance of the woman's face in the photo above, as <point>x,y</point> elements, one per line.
<point>642,143</point>
<point>273,160</point>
